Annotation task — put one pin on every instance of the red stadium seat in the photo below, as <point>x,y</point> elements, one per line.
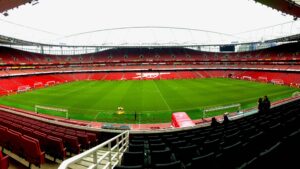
<point>55,148</point>
<point>42,137</point>
<point>72,144</point>
<point>32,151</point>
<point>84,140</point>
<point>4,138</point>
<point>3,161</point>
<point>15,143</point>
<point>27,131</point>
<point>92,138</point>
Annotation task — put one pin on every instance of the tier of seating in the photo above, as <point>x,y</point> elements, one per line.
<point>286,77</point>
<point>22,145</point>
<point>32,139</point>
<point>289,52</point>
<point>268,140</point>
<point>82,68</point>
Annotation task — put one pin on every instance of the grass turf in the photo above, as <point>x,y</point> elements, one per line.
<point>152,100</point>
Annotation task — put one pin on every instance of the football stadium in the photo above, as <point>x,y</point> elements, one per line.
<point>149,84</point>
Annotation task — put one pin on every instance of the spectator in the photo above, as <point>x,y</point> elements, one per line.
<point>214,122</point>
<point>226,119</point>
<point>260,106</point>
<point>266,104</point>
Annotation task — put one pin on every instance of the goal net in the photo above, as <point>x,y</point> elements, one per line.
<point>213,111</point>
<point>296,94</point>
<point>53,110</point>
<point>262,79</point>
<point>277,81</point>
<point>247,77</point>
<point>50,83</point>
<point>23,88</point>
<point>38,85</point>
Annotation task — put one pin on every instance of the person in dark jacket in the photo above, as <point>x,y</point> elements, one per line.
<point>226,119</point>
<point>214,122</point>
<point>266,104</point>
<point>260,106</point>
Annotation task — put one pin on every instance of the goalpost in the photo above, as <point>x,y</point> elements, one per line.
<point>231,107</point>
<point>277,81</point>
<point>23,88</point>
<point>65,111</point>
<point>50,83</point>
<point>247,78</point>
<point>262,79</point>
<point>38,85</point>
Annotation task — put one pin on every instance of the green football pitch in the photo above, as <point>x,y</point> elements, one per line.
<point>149,101</point>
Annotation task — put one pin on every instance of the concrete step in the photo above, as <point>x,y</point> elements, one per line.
<point>88,161</point>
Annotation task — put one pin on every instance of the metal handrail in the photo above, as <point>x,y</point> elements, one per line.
<point>121,139</point>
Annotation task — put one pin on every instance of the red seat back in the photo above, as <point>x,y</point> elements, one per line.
<point>3,161</point>
<point>32,151</point>
<point>14,142</point>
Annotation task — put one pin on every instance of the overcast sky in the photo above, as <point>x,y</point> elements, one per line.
<point>64,17</point>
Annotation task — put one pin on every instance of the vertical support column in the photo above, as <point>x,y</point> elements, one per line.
<point>127,139</point>
<point>95,159</point>
<point>118,149</point>
<point>124,142</point>
<point>109,156</point>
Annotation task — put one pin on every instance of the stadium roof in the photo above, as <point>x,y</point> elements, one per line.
<point>6,5</point>
<point>184,23</point>
<point>18,42</point>
<point>291,7</point>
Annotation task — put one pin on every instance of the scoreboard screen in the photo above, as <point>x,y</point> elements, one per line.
<point>227,48</point>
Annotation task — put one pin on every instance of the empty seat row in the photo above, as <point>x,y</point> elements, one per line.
<point>74,140</point>
<point>224,146</point>
<point>49,139</point>
<point>9,56</point>
<point>22,145</point>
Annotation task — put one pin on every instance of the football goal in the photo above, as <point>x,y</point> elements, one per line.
<point>23,88</point>
<point>247,77</point>
<point>212,111</point>
<point>277,81</point>
<point>54,110</point>
<point>50,83</point>
<point>296,94</point>
<point>262,79</point>
<point>38,85</point>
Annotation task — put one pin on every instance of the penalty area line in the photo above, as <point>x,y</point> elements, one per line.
<point>97,116</point>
